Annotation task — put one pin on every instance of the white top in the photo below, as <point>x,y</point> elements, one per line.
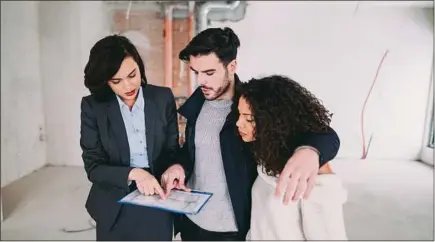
<point>318,218</point>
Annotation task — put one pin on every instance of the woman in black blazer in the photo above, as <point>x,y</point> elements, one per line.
<point>129,137</point>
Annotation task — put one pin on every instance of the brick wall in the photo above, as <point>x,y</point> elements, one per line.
<point>149,24</point>
<point>152,27</point>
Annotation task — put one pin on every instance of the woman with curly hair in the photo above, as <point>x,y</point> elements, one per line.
<point>275,112</point>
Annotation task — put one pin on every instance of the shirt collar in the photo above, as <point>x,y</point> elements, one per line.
<point>139,101</point>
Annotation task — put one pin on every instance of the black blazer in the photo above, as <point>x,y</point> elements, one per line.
<point>106,152</point>
<point>238,159</point>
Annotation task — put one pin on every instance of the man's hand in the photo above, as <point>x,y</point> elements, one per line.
<point>298,175</point>
<point>174,177</point>
<point>146,183</point>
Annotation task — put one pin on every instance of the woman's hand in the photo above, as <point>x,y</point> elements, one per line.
<point>146,183</point>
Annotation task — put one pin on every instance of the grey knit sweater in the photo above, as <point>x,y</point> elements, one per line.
<point>208,175</point>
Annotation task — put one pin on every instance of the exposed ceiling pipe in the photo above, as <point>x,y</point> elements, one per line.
<point>208,6</point>
<point>168,42</point>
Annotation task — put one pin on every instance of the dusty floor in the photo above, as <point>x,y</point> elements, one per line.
<point>388,200</point>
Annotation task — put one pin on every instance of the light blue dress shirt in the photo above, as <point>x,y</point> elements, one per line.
<point>134,122</point>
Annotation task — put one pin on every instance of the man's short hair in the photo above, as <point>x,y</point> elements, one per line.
<point>223,42</point>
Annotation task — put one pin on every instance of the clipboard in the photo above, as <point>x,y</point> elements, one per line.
<point>180,202</point>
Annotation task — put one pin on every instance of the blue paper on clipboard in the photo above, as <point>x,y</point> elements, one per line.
<point>178,201</point>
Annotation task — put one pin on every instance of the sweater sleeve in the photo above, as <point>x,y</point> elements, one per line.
<point>322,213</point>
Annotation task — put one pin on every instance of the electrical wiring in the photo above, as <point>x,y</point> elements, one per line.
<point>364,149</point>
<point>91,224</point>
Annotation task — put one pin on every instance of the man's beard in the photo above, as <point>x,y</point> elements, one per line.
<point>221,90</point>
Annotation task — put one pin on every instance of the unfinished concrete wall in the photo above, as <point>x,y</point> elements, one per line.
<point>331,48</point>
<point>68,31</point>
<point>23,147</point>
<point>334,50</point>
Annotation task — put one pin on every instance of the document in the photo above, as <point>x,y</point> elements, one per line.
<point>177,202</point>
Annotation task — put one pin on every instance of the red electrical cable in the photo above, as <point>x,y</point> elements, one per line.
<point>365,151</point>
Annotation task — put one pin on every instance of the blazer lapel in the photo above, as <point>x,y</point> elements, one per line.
<point>149,109</point>
<point>117,126</point>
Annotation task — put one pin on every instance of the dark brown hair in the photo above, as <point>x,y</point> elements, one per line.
<point>282,111</point>
<point>223,42</point>
<point>105,59</point>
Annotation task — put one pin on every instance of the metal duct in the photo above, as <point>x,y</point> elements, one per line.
<point>207,7</point>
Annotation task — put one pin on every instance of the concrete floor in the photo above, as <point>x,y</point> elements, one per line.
<point>388,200</point>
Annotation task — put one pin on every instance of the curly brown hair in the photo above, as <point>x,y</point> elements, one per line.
<point>282,111</point>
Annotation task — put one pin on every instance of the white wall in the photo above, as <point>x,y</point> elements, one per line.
<point>45,46</point>
<point>68,31</point>
<point>22,119</point>
<point>334,51</point>
<point>324,46</point>
<point>427,152</point>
